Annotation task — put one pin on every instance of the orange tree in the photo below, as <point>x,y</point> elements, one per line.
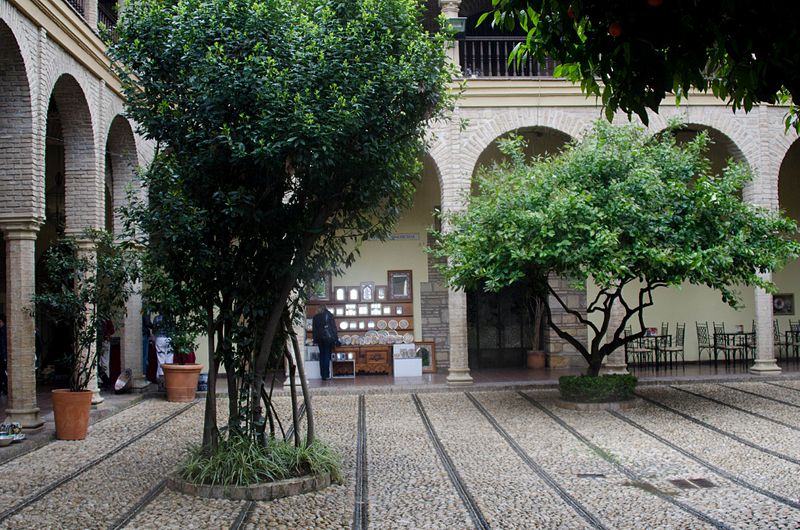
<point>632,53</point>
<point>630,211</point>
<point>290,130</point>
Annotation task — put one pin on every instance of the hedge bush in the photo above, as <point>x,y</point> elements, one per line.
<point>601,389</point>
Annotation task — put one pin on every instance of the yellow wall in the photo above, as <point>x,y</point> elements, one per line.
<point>689,304</point>
<point>378,257</point>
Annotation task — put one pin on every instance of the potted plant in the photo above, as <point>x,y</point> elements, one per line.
<point>178,320</point>
<point>86,285</point>
<point>535,298</point>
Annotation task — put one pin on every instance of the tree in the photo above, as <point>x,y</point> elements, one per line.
<point>631,54</point>
<point>292,130</point>
<point>82,290</point>
<point>630,211</point>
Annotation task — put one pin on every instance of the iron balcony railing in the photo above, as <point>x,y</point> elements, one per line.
<point>78,5</point>
<point>106,16</point>
<point>488,57</point>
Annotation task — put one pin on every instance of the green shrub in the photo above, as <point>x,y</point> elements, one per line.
<point>600,389</point>
<point>239,461</point>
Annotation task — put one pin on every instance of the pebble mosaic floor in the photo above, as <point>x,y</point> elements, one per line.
<point>690,456</point>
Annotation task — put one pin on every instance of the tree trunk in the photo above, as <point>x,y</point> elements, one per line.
<point>210,431</point>
<point>595,364</point>
<point>293,389</point>
<point>306,395</point>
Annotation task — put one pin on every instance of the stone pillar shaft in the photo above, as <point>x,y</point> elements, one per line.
<point>459,357</point>
<point>131,339</point>
<point>21,326</point>
<point>615,363</point>
<point>765,348</point>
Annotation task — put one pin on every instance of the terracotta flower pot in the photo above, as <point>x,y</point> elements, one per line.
<point>536,360</point>
<point>71,412</point>
<point>181,381</point>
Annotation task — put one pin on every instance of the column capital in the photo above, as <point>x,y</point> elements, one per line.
<point>450,7</point>
<point>20,228</point>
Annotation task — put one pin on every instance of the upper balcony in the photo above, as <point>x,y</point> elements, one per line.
<point>96,12</point>
<point>482,57</point>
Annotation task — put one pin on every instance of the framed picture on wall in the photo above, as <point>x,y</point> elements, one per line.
<point>783,304</point>
<point>381,292</point>
<point>321,289</point>
<point>399,285</point>
<point>367,291</point>
<point>426,350</point>
<point>341,294</point>
<point>353,294</point>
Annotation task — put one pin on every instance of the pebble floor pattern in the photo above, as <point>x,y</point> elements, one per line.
<point>691,456</point>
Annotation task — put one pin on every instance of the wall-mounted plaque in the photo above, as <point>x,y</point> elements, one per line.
<point>399,285</point>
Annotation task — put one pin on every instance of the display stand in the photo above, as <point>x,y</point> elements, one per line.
<point>343,368</point>
<point>408,367</point>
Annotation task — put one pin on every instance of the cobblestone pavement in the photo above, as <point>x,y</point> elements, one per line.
<point>691,456</point>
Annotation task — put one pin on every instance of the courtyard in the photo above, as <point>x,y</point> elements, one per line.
<point>692,455</point>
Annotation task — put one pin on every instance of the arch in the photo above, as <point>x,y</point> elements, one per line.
<point>19,186</point>
<point>745,145</point>
<point>721,149</point>
<point>82,187</point>
<point>121,160</point>
<point>514,119</point>
<point>789,181</point>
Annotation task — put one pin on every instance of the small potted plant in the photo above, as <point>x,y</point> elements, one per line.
<point>86,285</point>
<point>182,374</point>
<point>177,324</point>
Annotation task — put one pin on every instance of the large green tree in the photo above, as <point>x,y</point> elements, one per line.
<point>291,131</point>
<point>633,53</point>
<point>630,211</point>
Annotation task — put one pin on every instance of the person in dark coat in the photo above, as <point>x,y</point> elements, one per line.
<point>323,326</point>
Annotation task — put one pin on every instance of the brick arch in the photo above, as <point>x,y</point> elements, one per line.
<point>429,160</point>
<point>19,185</point>
<point>744,145</point>
<point>83,187</point>
<point>783,186</point>
<point>121,154</point>
<point>502,123</point>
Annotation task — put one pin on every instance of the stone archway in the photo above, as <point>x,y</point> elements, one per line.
<point>120,168</point>
<point>83,188</point>
<point>20,216</point>
<point>500,329</point>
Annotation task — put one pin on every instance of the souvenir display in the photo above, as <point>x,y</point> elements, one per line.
<point>387,310</point>
<point>393,324</point>
<point>371,324</point>
<point>408,338</point>
<point>363,310</point>
<point>367,291</point>
<point>343,325</point>
<point>403,324</point>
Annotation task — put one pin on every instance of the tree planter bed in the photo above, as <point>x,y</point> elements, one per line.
<point>256,492</point>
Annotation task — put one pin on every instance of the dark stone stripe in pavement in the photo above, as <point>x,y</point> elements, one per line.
<point>740,409</point>
<point>782,386</point>
<point>39,495</point>
<point>776,400</point>
<point>536,468</point>
<point>458,483</point>
<point>148,497</point>
<point>708,465</point>
<point>605,455</point>
<point>361,508</point>
<point>717,430</point>
<point>244,516</point>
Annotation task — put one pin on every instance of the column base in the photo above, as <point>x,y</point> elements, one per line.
<point>140,384</point>
<point>97,399</point>
<point>28,418</point>
<point>614,369</point>
<point>765,367</point>
<point>459,376</point>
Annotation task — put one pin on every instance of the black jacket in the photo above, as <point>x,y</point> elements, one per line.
<point>323,326</point>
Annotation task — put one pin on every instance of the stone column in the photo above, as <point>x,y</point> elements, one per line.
<point>450,10</point>
<point>131,340</point>
<point>86,248</point>
<point>615,363</point>
<point>765,363</point>
<point>21,326</point>
<point>458,373</point>
<point>90,13</point>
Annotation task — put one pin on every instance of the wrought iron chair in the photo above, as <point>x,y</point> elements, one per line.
<point>727,343</point>
<point>703,341</point>
<point>664,329</point>
<point>638,350</point>
<point>782,343</point>
<point>676,347</point>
